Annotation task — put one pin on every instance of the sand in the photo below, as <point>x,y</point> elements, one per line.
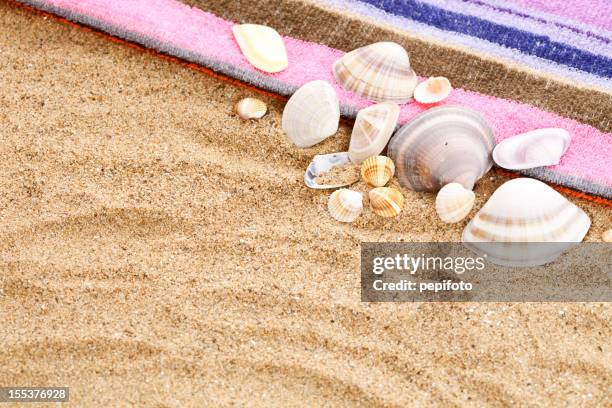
<point>156,250</point>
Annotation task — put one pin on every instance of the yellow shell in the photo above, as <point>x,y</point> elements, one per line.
<point>377,170</point>
<point>386,201</point>
<point>607,236</point>
<point>433,90</point>
<point>251,108</point>
<point>454,202</point>
<point>345,205</point>
<point>262,46</point>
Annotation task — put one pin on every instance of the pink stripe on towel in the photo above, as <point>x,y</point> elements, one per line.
<point>192,30</point>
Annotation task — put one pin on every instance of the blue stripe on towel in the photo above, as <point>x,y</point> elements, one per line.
<point>528,43</point>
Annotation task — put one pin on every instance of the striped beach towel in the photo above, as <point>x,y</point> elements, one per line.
<point>523,64</point>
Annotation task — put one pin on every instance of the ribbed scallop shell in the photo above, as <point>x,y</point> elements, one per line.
<point>251,108</point>
<point>312,114</point>
<point>522,213</point>
<point>377,170</point>
<point>345,205</point>
<point>433,90</point>
<point>373,128</point>
<point>386,201</point>
<point>262,46</point>
<point>454,202</point>
<point>380,72</point>
<point>442,145</point>
<point>541,147</point>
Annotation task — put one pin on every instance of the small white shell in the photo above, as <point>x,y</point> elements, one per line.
<point>541,147</point>
<point>251,108</point>
<point>373,128</point>
<point>522,213</point>
<point>262,46</point>
<point>345,205</point>
<point>433,90</point>
<point>312,114</point>
<point>454,202</point>
<point>379,72</point>
<point>607,236</point>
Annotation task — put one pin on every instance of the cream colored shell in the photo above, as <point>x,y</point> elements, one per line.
<point>262,46</point>
<point>433,90</point>
<point>537,148</point>
<point>454,202</point>
<point>345,205</point>
<point>607,236</point>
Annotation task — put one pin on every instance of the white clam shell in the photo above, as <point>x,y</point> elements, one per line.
<point>433,90</point>
<point>379,72</point>
<point>373,128</point>
<point>442,145</point>
<point>262,46</point>
<point>322,163</point>
<point>541,147</point>
<point>312,114</point>
<point>607,236</point>
<point>345,205</point>
<point>521,213</point>
<point>454,202</point>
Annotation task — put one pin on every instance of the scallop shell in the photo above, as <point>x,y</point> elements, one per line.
<point>322,163</point>
<point>542,147</point>
<point>251,108</point>
<point>345,205</point>
<point>312,114</point>
<point>454,202</point>
<point>386,201</point>
<point>373,128</point>
<point>380,72</point>
<point>433,90</point>
<point>607,236</point>
<point>440,146</point>
<point>535,222</point>
<point>377,170</point>
<point>262,46</point>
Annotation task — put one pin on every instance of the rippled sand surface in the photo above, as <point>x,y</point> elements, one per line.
<point>157,251</point>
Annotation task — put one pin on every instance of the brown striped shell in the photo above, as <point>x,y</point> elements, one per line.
<point>386,201</point>
<point>372,131</point>
<point>379,72</point>
<point>377,170</point>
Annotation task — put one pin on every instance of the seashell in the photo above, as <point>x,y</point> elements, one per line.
<point>262,46</point>
<point>345,205</point>
<point>542,147</point>
<point>440,146</point>
<point>454,202</point>
<point>380,72</point>
<point>312,114</point>
<point>373,128</point>
<point>534,222</point>
<point>323,163</point>
<point>251,108</point>
<point>607,236</point>
<point>377,170</point>
<point>433,90</point>
<point>386,201</point>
